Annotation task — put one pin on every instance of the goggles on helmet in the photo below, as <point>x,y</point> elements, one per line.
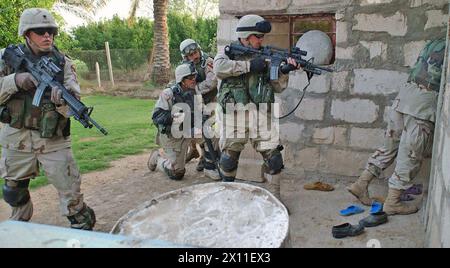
<point>190,49</point>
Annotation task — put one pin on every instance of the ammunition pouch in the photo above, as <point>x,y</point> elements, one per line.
<point>260,90</point>
<point>20,113</point>
<point>233,90</point>
<point>49,120</point>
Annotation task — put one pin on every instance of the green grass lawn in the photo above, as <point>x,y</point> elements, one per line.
<point>130,132</point>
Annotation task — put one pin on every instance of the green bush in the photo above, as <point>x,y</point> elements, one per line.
<point>81,67</point>
<point>10,11</point>
<point>131,44</point>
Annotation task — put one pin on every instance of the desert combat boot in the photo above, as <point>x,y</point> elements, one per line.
<point>393,205</point>
<point>360,188</point>
<point>153,160</point>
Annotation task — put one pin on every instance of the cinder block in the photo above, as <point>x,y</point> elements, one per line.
<point>395,25</point>
<point>378,82</point>
<point>355,110</point>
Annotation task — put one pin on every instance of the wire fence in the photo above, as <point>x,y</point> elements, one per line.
<point>127,64</point>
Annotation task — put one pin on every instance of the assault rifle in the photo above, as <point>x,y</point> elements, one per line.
<point>215,155</point>
<point>45,71</point>
<point>276,57</point>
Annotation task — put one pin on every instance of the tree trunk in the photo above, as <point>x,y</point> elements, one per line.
<point>160,72</point>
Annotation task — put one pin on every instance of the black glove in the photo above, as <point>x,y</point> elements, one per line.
<point>258,65</point>
<point>287,68</point>
<point>162,117</point>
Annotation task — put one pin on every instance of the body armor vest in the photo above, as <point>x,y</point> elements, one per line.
<point>246,88</point>
<point>45,119</point>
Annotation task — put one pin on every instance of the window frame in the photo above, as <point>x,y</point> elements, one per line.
<point>291,19</point>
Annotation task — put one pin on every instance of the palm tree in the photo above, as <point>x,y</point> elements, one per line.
<point>133,10</point>
<point>160,59</point>
<point>82,8</point>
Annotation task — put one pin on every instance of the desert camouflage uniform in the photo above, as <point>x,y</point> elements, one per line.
<point>172,160</point>
<point>409,136</point>
<point>24,151</point>
<point>232,137</point>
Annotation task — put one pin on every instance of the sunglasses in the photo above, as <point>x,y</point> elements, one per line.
<point>259,36</point>
<point>42,31</point>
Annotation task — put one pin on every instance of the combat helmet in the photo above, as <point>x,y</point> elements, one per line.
<point>188,46</point>
<point>32,18</point>
<point>184,70</point>
<point>252,24</point>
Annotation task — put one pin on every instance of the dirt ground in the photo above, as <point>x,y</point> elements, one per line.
<point>114,192</point>
<point>111,193</point>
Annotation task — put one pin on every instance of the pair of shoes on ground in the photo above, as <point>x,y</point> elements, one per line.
<point>354,209</point>
<point>377,217</point>
<point>347,229</point>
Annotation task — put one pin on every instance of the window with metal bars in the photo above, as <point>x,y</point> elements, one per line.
<point>287,29</point>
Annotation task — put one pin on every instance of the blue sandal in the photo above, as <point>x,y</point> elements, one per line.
<point>351,210</point>
<point>376,207</point>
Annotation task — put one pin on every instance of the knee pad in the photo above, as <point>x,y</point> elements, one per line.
<point>176,175</point>
<point>83,220</point>
<point>17,195</point>
<point>229,161</point>
<point>274,162</point>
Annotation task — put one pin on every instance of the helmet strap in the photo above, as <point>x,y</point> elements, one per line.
<point>35,48</point>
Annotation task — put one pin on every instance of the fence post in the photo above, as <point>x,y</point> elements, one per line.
<point>108,58</point>
<point>97,70</point>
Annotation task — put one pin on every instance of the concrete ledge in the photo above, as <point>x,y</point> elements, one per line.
<point>16,234</point>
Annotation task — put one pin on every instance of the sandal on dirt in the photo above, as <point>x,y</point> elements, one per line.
<point>416,189</point>
<point>319,186</point>
<point>351,210</point>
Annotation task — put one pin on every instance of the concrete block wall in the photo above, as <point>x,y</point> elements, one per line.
<point>343,116</point>
<point>437,216</point>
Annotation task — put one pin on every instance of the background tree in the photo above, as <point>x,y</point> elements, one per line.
<point>10,11</point>
<point>196,8</point>
<point>85,9</point>
<point>160,57</point>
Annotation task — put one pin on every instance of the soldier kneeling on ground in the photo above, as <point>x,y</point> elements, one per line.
<point>167,117</point>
